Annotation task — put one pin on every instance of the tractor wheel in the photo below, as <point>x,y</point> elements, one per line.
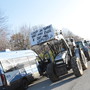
<point>24,84</point>
<point>83,61</point>
<point>77,67</point>
<point>87,54</point>
<point>50,73</point>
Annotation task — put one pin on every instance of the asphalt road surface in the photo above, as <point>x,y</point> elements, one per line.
<point>67,82</point>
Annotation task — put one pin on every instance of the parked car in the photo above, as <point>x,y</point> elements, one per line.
<point>17,69</point>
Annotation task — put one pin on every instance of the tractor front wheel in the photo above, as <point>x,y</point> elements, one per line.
<point>50,72</point>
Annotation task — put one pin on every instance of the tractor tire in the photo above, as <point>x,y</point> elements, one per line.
<point>50,73</point>
<point>77,67</point>
<point>24,84</point>
<point>83,61</point>
<point>87,54</point>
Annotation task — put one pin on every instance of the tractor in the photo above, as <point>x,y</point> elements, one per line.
<point>85,47</point>
<point>60,56</point>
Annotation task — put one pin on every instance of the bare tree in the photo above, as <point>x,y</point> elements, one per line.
<point>68,34</point>
<point>3,21</point>
<point>3,33</point>
<point>25,31</point>
<point>17,42</point>
<point>21,40</point>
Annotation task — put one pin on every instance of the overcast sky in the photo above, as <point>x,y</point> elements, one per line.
<point>71,14</point>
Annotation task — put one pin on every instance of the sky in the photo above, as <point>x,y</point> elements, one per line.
<point>71,14</point>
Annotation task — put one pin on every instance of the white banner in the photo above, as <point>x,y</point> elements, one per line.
<point>42,35</point>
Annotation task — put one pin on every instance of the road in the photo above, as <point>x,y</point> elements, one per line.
<point>67,82</point>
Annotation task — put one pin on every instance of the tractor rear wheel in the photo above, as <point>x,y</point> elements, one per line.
<point>77,67</point>
<point>83,61</point>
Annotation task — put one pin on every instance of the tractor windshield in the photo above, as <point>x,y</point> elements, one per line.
<point>57,46</point>
<point>53,47</point>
